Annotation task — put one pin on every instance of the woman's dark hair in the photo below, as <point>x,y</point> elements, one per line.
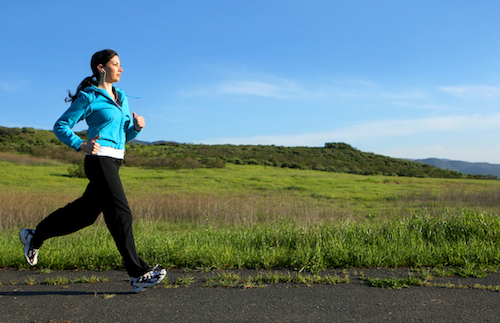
<point>101,57</point>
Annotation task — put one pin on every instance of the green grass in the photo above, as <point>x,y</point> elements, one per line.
<point>238,179</point>
<point>60,280</point>
<point>396,283</point>
<point>64,280</point>
<point>228,279</point>
<point>263,217</point>
<point>467,240</point>
<point>245,194</point>
<point>26,178</point>
<point>407,282</point>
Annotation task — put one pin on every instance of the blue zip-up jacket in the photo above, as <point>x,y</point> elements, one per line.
<point>103,116</point>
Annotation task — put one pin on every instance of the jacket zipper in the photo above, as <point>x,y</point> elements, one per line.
<point>121,115</point>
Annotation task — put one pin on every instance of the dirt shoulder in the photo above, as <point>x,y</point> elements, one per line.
<point>105,296</point>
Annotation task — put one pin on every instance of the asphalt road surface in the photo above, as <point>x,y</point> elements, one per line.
<point>23,298</point>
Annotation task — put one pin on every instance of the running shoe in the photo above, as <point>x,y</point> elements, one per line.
<point>149,279</point>
<point>30,253</point>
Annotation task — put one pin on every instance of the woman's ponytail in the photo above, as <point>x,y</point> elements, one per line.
<point>88,81</point>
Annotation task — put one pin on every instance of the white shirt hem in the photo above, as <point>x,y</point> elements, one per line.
<point>111,152</point>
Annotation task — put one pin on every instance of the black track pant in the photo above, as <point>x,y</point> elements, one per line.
<point>103,194</point>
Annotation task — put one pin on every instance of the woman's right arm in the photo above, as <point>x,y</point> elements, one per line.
<point>78,110</point>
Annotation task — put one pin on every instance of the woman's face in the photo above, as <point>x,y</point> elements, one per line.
<point>113,70</point>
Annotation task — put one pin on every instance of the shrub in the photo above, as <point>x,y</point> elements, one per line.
<point>77,171</point>
<point>237,161</point>
<point>253,162</point>
<point>212,163</point>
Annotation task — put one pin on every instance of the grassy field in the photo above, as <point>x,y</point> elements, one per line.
<point>261,217</point>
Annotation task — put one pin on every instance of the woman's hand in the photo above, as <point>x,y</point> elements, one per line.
<point>91,146</point>
<point>139,122</point>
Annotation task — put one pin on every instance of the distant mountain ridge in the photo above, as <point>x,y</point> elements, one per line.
<point>463,167</point>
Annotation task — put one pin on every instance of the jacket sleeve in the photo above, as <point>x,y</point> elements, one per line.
<point>79,109</point>
<point>131,133</point>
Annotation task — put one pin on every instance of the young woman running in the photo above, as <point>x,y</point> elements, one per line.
<point>105,109</point>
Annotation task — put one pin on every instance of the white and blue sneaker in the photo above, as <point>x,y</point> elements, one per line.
<point>149,279</point>
<point>30,253</point>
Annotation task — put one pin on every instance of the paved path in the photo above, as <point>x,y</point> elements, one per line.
<point>357,301</point>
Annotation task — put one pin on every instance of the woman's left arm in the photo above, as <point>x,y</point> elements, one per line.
<point>135,123</point>
<point>135,126</point>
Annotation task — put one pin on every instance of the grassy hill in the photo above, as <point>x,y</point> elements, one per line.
<point>334,157</point>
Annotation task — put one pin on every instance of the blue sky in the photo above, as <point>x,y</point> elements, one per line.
<point>405,79</point>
